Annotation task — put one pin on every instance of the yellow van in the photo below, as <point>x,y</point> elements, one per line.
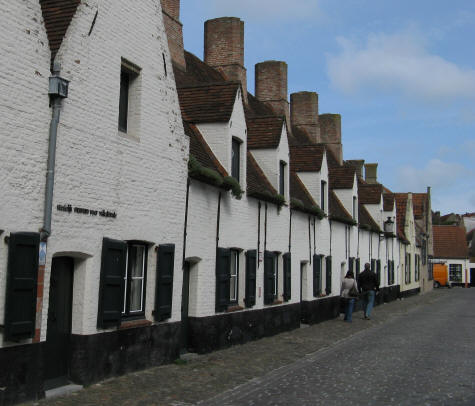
<point>441,276</point>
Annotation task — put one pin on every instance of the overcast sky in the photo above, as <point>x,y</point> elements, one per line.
<point>401,73</point>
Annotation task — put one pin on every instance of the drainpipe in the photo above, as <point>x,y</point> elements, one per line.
<point>58,90</point>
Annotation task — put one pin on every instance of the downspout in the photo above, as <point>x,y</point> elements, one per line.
<point>58,90</point>
<point>258,232</point>
<point>217,221</point>
<point>186,220</point>
<point>290,230</point>
<point>265,227</point>
<point>309,242</point>
<point>314,238</point>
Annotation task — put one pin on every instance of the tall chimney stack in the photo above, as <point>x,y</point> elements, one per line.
<point>371,173</point>
<point>304,113</point>
<point>271,86</point>
<point>224,48</point>
<point>330,132</point>
<point>174,31</point>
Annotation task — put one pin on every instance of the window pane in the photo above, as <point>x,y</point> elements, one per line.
<point>233,283</point>
<point>235,159</point>
<point>282,179</point>
<point>124,100</point>
<point>137,261</point>
<point>136,295</point>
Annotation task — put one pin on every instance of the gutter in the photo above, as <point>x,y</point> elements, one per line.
<point>58,90</point>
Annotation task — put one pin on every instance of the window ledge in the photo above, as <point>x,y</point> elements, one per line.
<point>134,324</point>
<point>277,302</point>
<point>129,136</point>
<point>234,308</point>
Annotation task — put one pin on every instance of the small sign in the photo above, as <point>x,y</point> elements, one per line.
<point>261,258</point>
<point>42,255</point>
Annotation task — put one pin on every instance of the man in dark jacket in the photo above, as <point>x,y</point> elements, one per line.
<point>368,285</point>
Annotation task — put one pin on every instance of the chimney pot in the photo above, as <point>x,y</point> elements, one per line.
<point>330,132</point>
<point>371,173</point>
<point>304,113</point>
<point>174,31</point>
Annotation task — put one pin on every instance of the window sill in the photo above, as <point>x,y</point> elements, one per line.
<point>134,323</point>
<point>129,136</point>
<point>234,308</point>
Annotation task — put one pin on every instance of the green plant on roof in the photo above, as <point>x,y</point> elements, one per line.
<point>233,185</point>
<point>196,170</point>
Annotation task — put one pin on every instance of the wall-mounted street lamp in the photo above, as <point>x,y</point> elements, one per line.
<point>389,225</point>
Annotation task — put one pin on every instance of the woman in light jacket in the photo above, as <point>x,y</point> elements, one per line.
<point>348,283</point>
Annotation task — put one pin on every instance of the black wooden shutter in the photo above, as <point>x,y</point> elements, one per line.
<point>358,265</point>
<point>351,265</point>
<point>223,276</point>
<point>328,288</point>
<point>269,277</point>
<point>317,275</point>
<point>287,276</point>
<point>251,265</point>
<point>373,265</point>
<point>164,284</point>
<point>378,271</point>
<point>392,272</point>
<point>22,279</point>
<point>389,272</point>
<point>111,292</point>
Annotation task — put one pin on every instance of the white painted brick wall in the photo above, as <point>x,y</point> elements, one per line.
<point>24,122</point>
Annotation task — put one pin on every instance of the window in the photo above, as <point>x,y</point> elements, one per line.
<point>282,178</point>
<point>455,272</point>
<point>417,267</point>
<point>236,159</point>
<point>407,269</point>
<point>271,272</point>
<point>355,207</point>
<point>323,192</point>
<point>234,277</point>
<point>134,280</point>
<point>129,101</point>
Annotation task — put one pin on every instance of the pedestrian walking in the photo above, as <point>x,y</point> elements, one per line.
<point>349,293</point>
<point>368,285</point>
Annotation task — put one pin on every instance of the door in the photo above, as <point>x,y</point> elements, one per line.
<point>58,335</point>
<point>472,276</point>
<point>184,307</point>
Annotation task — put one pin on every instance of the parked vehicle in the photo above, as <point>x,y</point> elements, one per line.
<point>441,276</point>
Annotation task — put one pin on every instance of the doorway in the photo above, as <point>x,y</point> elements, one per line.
<point>58,335</point>
<point>185,296</point>
<point>472,276</point>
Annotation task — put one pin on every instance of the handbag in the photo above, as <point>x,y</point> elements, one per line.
<point>353,293</point>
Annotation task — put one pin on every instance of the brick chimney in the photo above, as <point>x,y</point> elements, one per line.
<point>358,164</point>
<point>371,173</point>
<point>304,113</point>
<point>271,86</point>
<point>224,48</point>
<point>174,31</point>
<point>330,131</point>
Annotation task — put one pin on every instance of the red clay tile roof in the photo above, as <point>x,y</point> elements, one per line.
<point>201,151</point>
<point>369,193</point>
<point>264,132</point>
<point>197,72</point>
<point>208,103</point>
<point>299,136</point>
<point>388,201</point>
<point>337,210</point>
<point>341,178</point>
<point>257,184</point>
<point>256,108</point>
<point>419,203</point>
<point>299,191</point>
<point>401,204</point>
<point>449,242</point>
<point>306,158</point>
<point>365,220</point>
<point>57,15</point>
<point>331,159</point>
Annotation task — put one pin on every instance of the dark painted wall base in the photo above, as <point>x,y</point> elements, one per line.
<point>316,311</point>
<point>99,356</point>
<point>21,373</point>
<point>410,292</point>
<point>214,332</point>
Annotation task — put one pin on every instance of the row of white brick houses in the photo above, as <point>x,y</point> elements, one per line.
<point>178,211</point>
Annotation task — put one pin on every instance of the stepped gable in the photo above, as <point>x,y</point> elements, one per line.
<point>449,242</point>
<point>369,193</point>
<point>264,132</point>
<point>337,210</point>
<point>401,204</point>
<point>208,103</point>
<point>257,184</point>
<point>419,203</point>
<point>57,15</point>
<point>300,192</point>
<point>201,151</point>
<point>306,158</point>
<point>365,219</point>
<point>388,201</point>
<point>341,178</point>
<point>197,72</point>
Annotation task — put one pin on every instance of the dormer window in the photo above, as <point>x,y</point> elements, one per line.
<point>355,207</point>
<point>236,159</point>
<point>323,193</point>
<point>282,167</point>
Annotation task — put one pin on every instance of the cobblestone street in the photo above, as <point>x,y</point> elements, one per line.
<point>415,351</point>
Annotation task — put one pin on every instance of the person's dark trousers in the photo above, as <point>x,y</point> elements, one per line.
<point>350,304</point>
<point>368,302</point>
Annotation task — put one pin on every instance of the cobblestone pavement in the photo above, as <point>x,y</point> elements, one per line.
<point>416,352</point>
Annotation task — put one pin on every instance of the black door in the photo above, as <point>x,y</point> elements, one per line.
<point>472,276</point>
<point>58,336</point>
<point>184,307</point>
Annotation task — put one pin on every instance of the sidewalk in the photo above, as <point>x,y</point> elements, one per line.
<point>204,376</point>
